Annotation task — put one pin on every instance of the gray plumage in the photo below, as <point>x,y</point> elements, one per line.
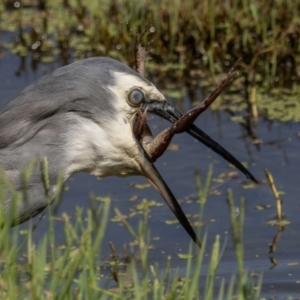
<point>37,121</point>
<point>79,87</point>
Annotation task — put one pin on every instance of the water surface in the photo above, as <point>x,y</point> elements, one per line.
<point>277,151</point>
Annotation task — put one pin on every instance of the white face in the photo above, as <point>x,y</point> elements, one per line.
<point>111,150</point>
<point>125,83</point>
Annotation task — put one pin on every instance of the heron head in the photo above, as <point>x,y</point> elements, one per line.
<point>113,93</point>
<point>82,116</point>
<point>122,93</point>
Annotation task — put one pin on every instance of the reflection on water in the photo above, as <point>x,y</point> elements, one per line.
<point>272,145</point>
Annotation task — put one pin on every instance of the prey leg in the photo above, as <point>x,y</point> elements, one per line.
<point>155,147</point>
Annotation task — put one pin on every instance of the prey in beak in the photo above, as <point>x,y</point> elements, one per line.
<point>153,147</point>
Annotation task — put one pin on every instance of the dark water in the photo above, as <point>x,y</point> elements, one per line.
<point>278,151</point>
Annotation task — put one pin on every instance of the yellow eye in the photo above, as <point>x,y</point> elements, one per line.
<point>136,97</point>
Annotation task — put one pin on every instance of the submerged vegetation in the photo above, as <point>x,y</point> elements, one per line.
<point>189,42</point>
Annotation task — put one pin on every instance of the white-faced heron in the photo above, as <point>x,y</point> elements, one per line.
<point>81,117</point>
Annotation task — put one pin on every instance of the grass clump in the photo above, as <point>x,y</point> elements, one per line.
<point>78,269</point>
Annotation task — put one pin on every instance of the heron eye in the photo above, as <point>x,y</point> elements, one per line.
<point>136,97</point>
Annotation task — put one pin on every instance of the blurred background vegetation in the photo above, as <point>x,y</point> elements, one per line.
<point>191,43</point>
